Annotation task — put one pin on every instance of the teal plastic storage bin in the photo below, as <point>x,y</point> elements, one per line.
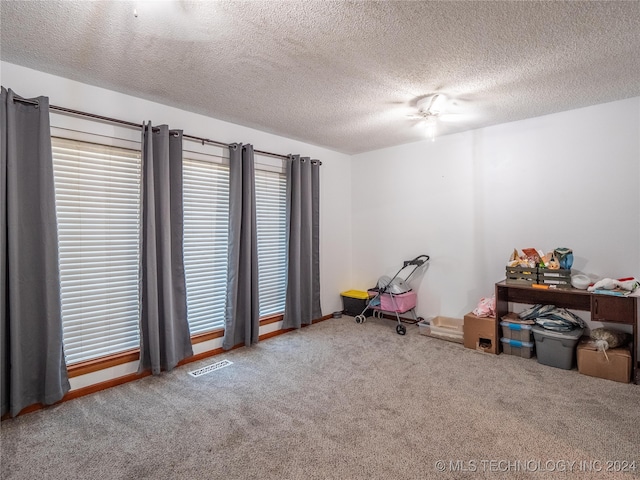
<point>517,331</point>
<point>517,348</point>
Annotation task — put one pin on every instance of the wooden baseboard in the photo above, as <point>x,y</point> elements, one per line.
<point>88,390</point>
<point>81,392</point>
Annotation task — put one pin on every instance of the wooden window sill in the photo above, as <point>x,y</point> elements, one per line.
<point>96,364</point>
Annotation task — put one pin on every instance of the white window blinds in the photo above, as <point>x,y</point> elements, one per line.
<point>206,219</point>
<point>98,211</point>
<point>271,193</point>
<point>206,223</point>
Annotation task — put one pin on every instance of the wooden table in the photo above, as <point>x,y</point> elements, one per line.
<point>603,308</point>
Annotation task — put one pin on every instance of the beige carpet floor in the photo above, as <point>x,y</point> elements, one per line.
<point>339,400</point>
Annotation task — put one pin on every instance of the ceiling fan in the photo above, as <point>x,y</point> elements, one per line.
<point>431,109</point>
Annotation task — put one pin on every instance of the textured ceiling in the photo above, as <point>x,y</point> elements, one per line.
<point>339,74</point>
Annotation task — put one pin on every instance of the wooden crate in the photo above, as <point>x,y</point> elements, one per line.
<point>521,275</point>
<point>560,278</point>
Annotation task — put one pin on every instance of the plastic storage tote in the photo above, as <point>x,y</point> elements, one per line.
<point>354,301</point>
<point>556,349</point>
<point>517,331</point>
<point>517,348</point>
<point>444,328</point>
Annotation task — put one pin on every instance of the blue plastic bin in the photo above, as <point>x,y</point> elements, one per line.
<point>517,348</point>
<point>517,331</point>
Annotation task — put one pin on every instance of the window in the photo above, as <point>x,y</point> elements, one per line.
<point>98,210</point>
<point>206,236</point>
<point>206,224</point>
<point>271,213</point>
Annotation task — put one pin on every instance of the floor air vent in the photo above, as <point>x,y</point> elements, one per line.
<point>210,368</point>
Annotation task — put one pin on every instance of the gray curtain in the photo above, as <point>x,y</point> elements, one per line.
<point>242,317</point>
<point>164,329</point>
<point>303,242</point>
<point>33,368</point>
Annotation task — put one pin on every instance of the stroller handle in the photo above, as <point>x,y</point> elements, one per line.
<point>418,261</point>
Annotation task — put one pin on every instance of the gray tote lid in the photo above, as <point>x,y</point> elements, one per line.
<point>574,334</point>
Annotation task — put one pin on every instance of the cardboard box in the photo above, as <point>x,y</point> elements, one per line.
<point>594,363</point>
<point>480,333</point>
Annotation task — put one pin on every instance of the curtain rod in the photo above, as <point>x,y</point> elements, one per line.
<point>70,111</point>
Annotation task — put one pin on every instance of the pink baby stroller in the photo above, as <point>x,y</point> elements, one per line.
<point>393,295</point>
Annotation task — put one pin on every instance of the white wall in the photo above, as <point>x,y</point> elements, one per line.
<point>570,179</point>
<point>335,209</point>
<point>335,183</point>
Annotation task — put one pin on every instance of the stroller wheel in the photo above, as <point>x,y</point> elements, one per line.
<point>359,318</point>
<point>401,330</point>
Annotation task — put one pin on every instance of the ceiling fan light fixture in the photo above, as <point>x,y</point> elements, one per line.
<point>430,111</point>
<point>431,105</point>
<point>429,108</point>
